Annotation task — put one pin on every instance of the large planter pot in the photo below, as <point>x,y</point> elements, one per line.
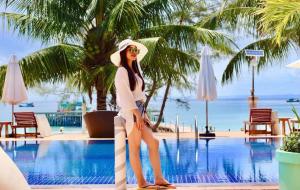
<point>100,124</point>
<point>289,170</point>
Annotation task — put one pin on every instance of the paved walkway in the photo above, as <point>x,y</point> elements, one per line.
<point>84,136</point>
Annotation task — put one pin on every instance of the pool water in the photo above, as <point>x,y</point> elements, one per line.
<point>220,160</point>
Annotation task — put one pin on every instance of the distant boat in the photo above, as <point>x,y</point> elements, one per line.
<point>29,104</point>
<point>293,100</point>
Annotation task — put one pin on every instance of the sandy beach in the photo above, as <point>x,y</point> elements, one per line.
<point>85,136</point>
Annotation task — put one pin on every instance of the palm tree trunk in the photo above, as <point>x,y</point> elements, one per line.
<point>113,101</point>
<point>101,100</point>
<point>153,88</point>
<point>163,105</point>
<point>101,93</point>
<point>100,86</point>
<point>100,14</point>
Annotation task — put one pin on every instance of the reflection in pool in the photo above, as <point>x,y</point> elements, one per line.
<point>220,160</point>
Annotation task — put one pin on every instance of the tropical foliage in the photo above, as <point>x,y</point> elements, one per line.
<point>81,35</point>
<point>259,20</point>
<point>281,18</point>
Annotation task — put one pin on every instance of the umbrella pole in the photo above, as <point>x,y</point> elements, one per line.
<point>207,133</point>
<point>207,164</point>
<point>12,114</point>
<point>206,112</point>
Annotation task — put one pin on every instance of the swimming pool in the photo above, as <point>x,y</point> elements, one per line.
<point>220,160</point>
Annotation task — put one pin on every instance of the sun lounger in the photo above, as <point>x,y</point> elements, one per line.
<point>258,117</point>
<point>24,120</point>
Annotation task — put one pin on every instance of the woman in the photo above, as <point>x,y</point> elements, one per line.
<point>130,87</point>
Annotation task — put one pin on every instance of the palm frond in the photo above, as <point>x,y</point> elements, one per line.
<point>273,52</point>
<point>52,64</point>
<point>217,40</point>
<point>124,17</point>
<point>47,20</point>
<point>84,78</point>
<point>158,12</point>
<point>186,37</point>
<point>163,61</point>
<point>39,28</point>
<point>2,77</point>
<point>279,16</point>
<point>233,15</point>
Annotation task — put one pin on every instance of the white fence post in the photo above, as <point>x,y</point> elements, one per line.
<point>177,126</point>
<point>120,153</point>
<point>196,127</point>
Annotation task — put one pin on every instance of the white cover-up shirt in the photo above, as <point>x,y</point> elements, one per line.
<point>125,97</point>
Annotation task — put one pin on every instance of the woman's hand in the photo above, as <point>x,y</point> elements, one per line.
<point>148,121</point>
<point>139,120</point>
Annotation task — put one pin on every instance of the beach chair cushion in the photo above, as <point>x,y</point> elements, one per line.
<point>44,127</point>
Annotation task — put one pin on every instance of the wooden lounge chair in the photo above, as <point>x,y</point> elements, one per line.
<point>259,116</point>
<point>24,120</point>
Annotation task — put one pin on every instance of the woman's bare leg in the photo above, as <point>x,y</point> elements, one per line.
<point>134,142</point>
<point>153,146</point>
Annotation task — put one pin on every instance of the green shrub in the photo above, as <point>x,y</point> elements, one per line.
<point>291,143</point>
<point>296,113</point>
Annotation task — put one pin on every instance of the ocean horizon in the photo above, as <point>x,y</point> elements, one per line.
<point>225,113</point>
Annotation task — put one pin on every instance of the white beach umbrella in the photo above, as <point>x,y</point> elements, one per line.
<point>295,64</point>
<point>14,90</point>
<point>207,89</point>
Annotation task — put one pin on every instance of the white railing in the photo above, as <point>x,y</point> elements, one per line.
<point>120,153</point>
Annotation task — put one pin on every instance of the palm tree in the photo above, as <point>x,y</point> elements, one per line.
<point>82,34</point>
<point>190,11</point>
<point>247,16</point>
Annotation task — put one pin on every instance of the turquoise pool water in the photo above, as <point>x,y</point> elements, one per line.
<point>221,160</point>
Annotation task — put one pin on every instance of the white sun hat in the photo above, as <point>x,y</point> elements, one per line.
<point>116,58</point>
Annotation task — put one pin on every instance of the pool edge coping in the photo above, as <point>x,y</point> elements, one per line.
<point>177,184</point>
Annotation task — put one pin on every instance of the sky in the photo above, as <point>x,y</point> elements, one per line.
<point>273,80</point>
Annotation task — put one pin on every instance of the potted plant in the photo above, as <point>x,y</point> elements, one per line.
<point>100,124</point>
<point>288,157</point>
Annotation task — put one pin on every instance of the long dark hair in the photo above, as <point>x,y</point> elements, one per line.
<point>131,74</point>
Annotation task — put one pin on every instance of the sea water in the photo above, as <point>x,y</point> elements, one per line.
<point>223,114</point>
